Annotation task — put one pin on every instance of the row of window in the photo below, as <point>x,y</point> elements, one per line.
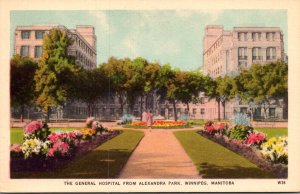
<point>216,45</point>
<point>39,34</point>
<point>256,53</point>
<point>256,36</point>
<point>216,72</point>
<point>170,111</point>
<point>38,50</point>
<point>83,46</point>
<point>84,60</point>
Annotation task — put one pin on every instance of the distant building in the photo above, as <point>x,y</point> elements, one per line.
<point>29,41</point>
<point>225,52</point>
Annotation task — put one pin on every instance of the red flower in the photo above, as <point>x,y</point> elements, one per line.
<point>255,138</point>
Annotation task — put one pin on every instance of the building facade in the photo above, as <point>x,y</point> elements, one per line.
<point>227,52</point>
<point>29,42</point>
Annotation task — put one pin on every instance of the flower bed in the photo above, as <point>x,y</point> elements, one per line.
<point>270,155</point>
<point>161,124</point>
<point>43,150</point>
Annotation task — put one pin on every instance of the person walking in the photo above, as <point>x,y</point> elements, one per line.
<point>149,120</point>
<point>144,116</point>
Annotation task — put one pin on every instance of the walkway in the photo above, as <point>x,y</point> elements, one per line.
<point>159,155</point>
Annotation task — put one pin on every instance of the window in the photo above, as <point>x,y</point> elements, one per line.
<point>202,100</point>
<point>271,53</point>
<point>162,112</point>
<point>24,51</point>
<point>25,34</point>
<point>242,53</point>
<point>38,51</point>
<point>244,110</point>
<point>178,110</point>
<point>202,111</point>
<point>272,112</point>
<point>256,36</point>
<point>39,34</point>
<point>270,36</point>
<point>257,112</point>
<point>240,36</point>
<point>256,53</point>
<point>194,111</point>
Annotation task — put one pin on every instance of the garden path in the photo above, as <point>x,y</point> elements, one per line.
<point>159,155</point>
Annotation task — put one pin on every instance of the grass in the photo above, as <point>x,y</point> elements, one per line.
<point>16,134</point>
<point>215,161</point>
<point>106,161</point>
<point>273,132</point>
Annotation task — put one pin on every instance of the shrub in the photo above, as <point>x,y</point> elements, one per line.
<point>35,147</point>
<point>89,122</point>
<point>88,133</point>
<point>126,119</point>
<point>214,128</point>
<point>240,132</point>
<point>16,151</point>
<point>241,119</point>
<point>276,150</point>
<point>36,129</point>
<point>98,127</point>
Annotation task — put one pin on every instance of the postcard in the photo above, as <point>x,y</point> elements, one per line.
<point>149,96</point>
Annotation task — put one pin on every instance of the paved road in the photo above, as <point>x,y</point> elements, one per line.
<point>159,155</point>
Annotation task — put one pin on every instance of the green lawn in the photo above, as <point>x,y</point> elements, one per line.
<point>106,161</point>
<point>273,132</point>
<point>215,161</point>
<point>16,134</point>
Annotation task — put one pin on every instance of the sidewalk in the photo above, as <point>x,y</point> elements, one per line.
<point>159,155</point>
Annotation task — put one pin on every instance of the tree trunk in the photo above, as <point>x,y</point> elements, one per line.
<point>146,102</point>
<point>121,104</point>
<point>22,113</point>
<point>48,114</point>
<point>188,109</point>
<point>175,111</point>
<point>141,108</point>
<point>224,112</point>
<point>219,107</point>
<point>285,112</point>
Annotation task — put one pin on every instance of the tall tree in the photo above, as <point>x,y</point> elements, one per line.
<point>117,73</point>
<point>211,92</point>
<point>55,71</point>
<point>264,83</point>
<point>226,89</point>
<point>166,82</point>
<point>189,85</point>
<point>90,86</point>
<point>22,84</point>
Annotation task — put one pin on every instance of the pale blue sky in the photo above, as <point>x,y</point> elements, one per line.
<point>166,36</point>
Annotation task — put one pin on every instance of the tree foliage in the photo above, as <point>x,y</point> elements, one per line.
<point>56,71</point>
<point>22,83</point>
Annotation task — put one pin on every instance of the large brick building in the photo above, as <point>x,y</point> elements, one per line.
<point>29,41</point>
<point>226,52</point>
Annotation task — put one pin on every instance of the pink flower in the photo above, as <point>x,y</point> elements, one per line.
<point>71,135</point>
<point>255,138</point>
<point>51,152</point>
<point>54,137</point>
<point>33,126</point>
<point>15,148</point>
